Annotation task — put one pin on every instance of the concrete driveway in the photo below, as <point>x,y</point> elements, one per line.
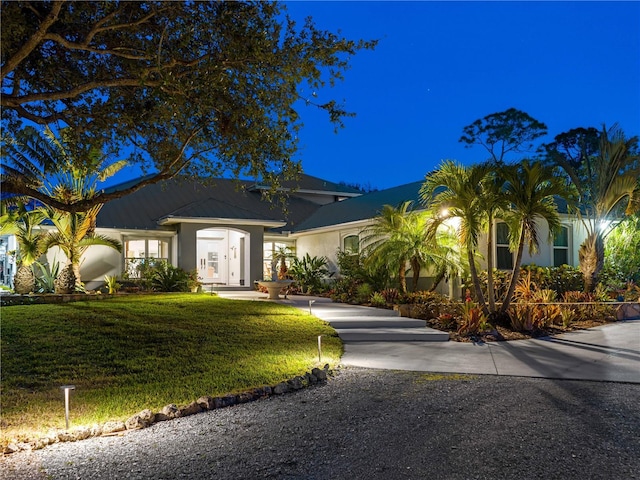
<point>606,353</point>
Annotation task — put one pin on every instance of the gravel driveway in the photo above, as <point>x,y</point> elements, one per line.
<point>375,424</point>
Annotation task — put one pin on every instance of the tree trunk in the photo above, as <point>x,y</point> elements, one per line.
<point>591,258</point>
<point>490,288</point>
<point>402,278</point>
<point>76,273</point>
<point>24,281</point>
<point>415,267</point>
<point>476,281</point>
<point>65,282</point>
<point>437,279</point>
<point>514,275</point>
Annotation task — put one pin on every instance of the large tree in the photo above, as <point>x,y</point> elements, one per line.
<point>199,87</point>
<point>501,133</point>
<point>604,166</point>
<point>454,191</point>
<point>530,190</point>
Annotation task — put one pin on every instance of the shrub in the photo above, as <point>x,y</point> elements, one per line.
<point>309,272</point>
<point>167,278</point>
<point>473,320</point>
<point>112,284</point>
<point>377,300</point>
<point>391,295</point>
<point>363,293</point>
<point>344,290</point>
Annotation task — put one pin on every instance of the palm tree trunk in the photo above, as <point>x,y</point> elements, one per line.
<point>514,274</point>
<point>490,288</point>
<point>437,279</point>
<point>415,268</point>
<point>76,273</point>
<point>591,259</point>
<point>402,277</point>
<point>476,281</point>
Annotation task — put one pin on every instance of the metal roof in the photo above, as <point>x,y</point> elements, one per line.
<point>360,208</point>
<point>186,198</point>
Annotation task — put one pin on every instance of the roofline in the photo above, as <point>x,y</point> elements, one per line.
<point>305,190</point>
<point>331,228</point>
<point>170,220</point>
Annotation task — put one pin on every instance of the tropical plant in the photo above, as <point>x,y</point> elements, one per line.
<point>354,268</point>
<point>473,320</point>
<point>309,272</point>
<point>24,223</point>
<point>530,189</point>
<point>622,254</point>
<point>398,237</point>
<point>605,168</point>
<point>45,279</point>
<point>74,234</point>
<point>111,282</point>
<point>282,256</point>
<point>70,172</point>
<point>454,191</point>
<point>167,278</point>
<point>377,300</point>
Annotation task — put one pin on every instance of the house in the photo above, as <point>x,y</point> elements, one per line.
<point>227,232</point>
<point>222,228</point>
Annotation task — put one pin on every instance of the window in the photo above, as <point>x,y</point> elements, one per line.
<point>141,252</point>
<point>350,244</point>
<point>561,247</point>
<point>504,257</point>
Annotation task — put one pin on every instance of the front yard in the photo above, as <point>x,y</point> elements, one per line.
<point>135,352</point>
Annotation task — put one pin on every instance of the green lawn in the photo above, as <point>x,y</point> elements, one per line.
<point>129,353</point>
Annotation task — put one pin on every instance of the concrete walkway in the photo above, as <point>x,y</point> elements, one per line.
<point>607,353</point>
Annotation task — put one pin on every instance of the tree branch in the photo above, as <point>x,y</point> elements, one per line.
<point>33,41</point>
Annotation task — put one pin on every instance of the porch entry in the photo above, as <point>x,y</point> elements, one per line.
<point>220,256</point>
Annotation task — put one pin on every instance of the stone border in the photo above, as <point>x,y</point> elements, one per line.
<point>146,417</point>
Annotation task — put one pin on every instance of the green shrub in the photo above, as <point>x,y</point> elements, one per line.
<point>363,293</point>
<point>377,300</point>
<point>309,272</point>
<point>167,278</point>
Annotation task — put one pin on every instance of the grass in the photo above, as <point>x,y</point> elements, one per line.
<point>130,353</point>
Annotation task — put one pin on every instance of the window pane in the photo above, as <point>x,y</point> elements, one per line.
<point>135,249</point>
<point>504,258</point>
<point>502,234</point>
<point>560,256</point>
<point>561,239</point>
<point>351,244</point>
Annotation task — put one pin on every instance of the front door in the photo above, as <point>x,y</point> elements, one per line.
<point>212,260</point>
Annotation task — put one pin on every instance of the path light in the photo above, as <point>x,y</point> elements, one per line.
<point>319,348</point>
<point>66,389</point>
<point>310,302</point>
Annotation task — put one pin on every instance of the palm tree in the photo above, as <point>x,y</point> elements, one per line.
<point>608,187</point>
<point>397,237</point>
<point>67,171</point>
<point>75,232</point>
<point>22,223</point>
<point>530,189</point>
<point>454,191</point>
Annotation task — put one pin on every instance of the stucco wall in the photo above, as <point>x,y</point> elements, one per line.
<point>187,247</point>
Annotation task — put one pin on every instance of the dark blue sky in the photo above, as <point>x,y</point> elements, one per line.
<point>441,65</point>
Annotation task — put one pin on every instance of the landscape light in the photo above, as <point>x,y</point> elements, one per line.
<point>320,348</point>
<point>66,389</point>
<point>310,302</point>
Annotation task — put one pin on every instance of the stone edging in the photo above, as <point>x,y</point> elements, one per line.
<point>146,417</point>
